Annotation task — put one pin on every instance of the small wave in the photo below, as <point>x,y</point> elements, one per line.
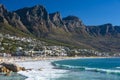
<point>109,71</point>
<point>68,66</point>
<point>103,70</point>
<point>118,67</point>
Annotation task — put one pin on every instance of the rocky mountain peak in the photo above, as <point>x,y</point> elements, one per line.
<point>71,18</point>
<point>11,18</point>
<point>56,19</point>
<point>37,12</point>
<point>14,20</point>
<point>3,10</point>
<point>108,24</point>
<point>1,6</point>
<point>55,16</point>
<point>74,24</point>
<point>3,14</point>
<point>35,18</point>
<point>37,7</point>
<point>104,30</point>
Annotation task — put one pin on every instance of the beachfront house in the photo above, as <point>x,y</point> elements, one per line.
<point>55,51</point>
<point>19,51</point>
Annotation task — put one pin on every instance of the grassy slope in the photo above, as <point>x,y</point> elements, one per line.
<point>7,29</point>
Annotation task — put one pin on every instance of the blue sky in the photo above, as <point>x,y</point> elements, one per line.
<point>91,12</point>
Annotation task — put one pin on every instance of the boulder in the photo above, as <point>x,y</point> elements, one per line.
<point>22,68</point>
<point>4,69</point>
<point>11,66</point>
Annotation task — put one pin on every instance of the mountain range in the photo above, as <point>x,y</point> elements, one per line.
<point>71,30</point>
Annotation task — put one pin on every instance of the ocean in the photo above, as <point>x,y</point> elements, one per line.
<point>89,69</point>
<point>13,76</point>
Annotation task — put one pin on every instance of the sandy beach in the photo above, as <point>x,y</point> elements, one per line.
<point>38,68</point>
<point>41,69</point>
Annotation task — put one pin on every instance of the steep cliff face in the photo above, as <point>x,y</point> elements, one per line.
<point>74,25</point>
<point>14,20</point>
<point>104,30</point>
<point>11,18</point>
<point>36,19</point>
<point>3,14</point>
<point>57,21</point>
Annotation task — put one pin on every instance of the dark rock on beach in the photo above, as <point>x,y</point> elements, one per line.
<point>7,68</point>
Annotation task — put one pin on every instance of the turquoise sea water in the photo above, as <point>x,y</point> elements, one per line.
<point>90,69</point>
<point>13,76</point>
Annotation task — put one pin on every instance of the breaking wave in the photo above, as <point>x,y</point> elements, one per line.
<point>109,71</point>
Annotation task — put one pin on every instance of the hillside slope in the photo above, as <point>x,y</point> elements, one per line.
<point>52,27</point>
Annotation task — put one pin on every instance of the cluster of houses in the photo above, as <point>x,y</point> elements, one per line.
<point>30,49</point>
<point>59,51</point>
<point>23,39</point>
<point>43,51</point>
<point>11,37</point>
<point>37,48</point>
<point>89,52</point>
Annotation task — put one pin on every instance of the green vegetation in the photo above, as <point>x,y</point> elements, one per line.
<point>55,42</point>
<point>7,29</point>
<point>10,46</point>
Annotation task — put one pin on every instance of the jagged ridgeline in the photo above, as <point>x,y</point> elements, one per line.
<point>69,30</point>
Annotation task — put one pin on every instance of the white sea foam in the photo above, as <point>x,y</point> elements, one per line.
<point>41,70</point>
<point>111,71</point>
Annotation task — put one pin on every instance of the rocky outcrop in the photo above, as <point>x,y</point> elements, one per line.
<point>11,18</point>
<point>57,21</point>
<point>74,24</point>
<point>3,14</point>
<point>4,69</point>
<point>14,20</point>
<point>7,67</point>
<point>104,30</point>
<point>36,19</point>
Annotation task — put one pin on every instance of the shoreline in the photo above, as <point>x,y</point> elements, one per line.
<point>47,62</point>
<point>27,59</point>
<point>41,66</point>
<point>44,70</point>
